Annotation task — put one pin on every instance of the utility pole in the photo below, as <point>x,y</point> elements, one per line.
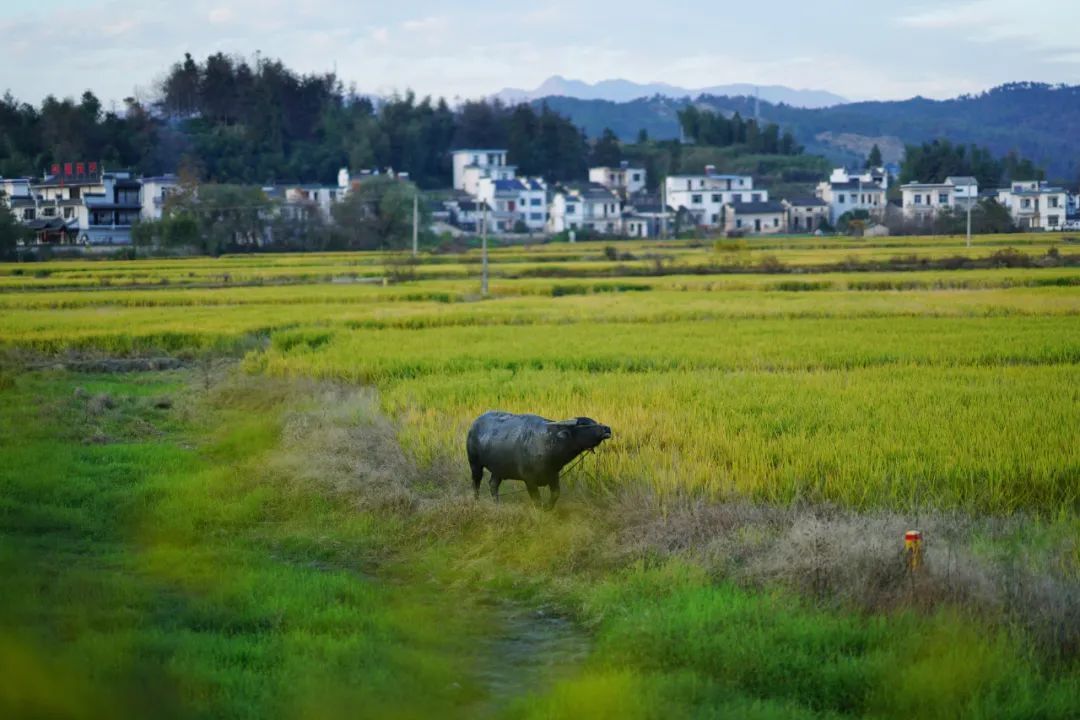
<point>663,208</point>
<point>484,256</point>
<point>415,224</point>
<point>969,222</point>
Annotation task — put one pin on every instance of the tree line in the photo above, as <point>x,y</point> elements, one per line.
<point>934,161</point>
<point>260,122</point>
<point>225,217</point>
<point>710,128</point>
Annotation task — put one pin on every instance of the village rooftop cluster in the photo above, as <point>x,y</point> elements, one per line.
<point>81,203</point>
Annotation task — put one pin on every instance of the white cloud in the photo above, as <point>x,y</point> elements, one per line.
<point>381,35</point>
<point>220,15</point>
<point>929,49</point>
<point>995,21</point>
<point>430,24</point>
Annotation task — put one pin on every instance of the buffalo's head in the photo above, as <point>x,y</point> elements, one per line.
<point>580,434</point>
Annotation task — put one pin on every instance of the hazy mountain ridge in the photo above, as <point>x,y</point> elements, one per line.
<point>1038,121</point>
<point>619,90</point>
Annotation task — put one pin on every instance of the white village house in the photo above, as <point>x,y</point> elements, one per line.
<point>473,165</point>
<point>766,217</point>
<point>805,214</point>
<point>585,206</point>
<point>77,203</point>
<point>643,217</point>
<point>1035,205</point>
<point>625,179</point>
<point>155,190</point>
<point>514,203</point>
<point>704,196</point>
<point>924,200</point>
<point>845,192</point>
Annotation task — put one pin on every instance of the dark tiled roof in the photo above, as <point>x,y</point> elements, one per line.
<point>757,208</point>
<point>652,208</point>
<point>592,191</point>
<point>806,201</point>
<point>856,185</point>
<point>53,223</point>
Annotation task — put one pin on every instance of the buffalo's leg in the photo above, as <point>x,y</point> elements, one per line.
<point>477,476</point>
<point>553,494</point>
<point>534,492</point>
<point>493,482</point>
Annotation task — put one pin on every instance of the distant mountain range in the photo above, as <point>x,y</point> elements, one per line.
<point>626,90</point>
<point>1039,121</point>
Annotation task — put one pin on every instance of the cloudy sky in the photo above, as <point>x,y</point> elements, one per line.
<point>471,48</point>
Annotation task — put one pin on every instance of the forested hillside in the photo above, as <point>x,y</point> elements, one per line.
<point>260,123</point>
<point>1038,121</point>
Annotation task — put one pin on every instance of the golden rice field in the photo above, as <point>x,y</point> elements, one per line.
<point>927,388</point>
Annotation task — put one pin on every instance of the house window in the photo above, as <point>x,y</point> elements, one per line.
<point>716,197</point>
<point>737,197</point>
<point>1052,202</point>
<point>48,212</point>
<point>756,197</point>
<point>637,177</point>
<point>28,214</point>
<point>776,222</point>
<point>1052,220</point>
<point>1025,203</point>
<point>943,198</point>
<point>854,198</point>
<point>68,212</point>
<point>688,185</point>
<point>695,199</point>
<point>571,209</point>
<point>918,199</point>
<point>840,199</point>
<point>535,202</point>
<point>536,216</point>
<point>738,222</point>
<point>701,183</point>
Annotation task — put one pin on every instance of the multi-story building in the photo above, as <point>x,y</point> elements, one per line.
<point>515,203</point>
<point>924,200</point>
<point>585,206</point>
<point>473,165</point>
<point>155,190</point>
<point>1035,205</point>
<point>965,190</point>
<point>844,192</point>
<point>79,203</point>
<point>624,179</point>
<point>703,197</point>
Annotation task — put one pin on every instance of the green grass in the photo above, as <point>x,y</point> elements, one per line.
<point>141,575</point>
<point>669,635</point>
<point>279,543</point>
<point>183,563</point>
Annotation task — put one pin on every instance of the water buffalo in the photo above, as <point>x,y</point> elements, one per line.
<point>529,448</point>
